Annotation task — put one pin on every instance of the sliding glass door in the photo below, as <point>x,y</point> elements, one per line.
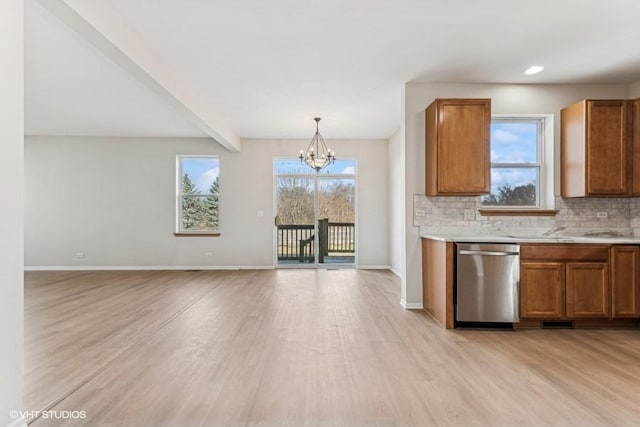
<point>315,221</point>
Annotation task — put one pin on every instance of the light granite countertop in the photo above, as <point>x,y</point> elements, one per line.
<point>529,236</point>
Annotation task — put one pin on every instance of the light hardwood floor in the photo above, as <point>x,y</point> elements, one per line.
<point>303,348</point>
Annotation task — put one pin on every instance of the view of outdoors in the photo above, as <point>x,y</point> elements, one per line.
<point>315,212</point>
<point>199,193</point>
<point>514,163</point>
<point>296,200</point>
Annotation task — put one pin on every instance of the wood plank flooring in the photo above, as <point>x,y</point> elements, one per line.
<point>302,348</point>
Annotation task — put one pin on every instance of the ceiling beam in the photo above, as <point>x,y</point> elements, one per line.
<point>125,48</point>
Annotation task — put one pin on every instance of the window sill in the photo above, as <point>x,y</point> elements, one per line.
<point>198,234</point>
<point>517,212</point>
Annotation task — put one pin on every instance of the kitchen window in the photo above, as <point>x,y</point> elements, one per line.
<point>521,163</point>
<point>198,195</point>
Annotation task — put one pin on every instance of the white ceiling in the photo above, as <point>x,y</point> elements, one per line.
<point>264,69</point>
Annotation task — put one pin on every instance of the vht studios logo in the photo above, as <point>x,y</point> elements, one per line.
<point>58,415</point>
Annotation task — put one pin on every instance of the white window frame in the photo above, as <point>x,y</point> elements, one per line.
<point>545,168</point>
<point>180,196</point>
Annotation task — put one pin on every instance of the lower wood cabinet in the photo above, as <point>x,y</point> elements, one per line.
<point>564,282</point>
<point>542,290</point>
<point>587,290</point>
<point>625,281</point>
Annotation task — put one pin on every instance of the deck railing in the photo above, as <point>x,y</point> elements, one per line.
<point>289,238</point>
<point>296,241</point>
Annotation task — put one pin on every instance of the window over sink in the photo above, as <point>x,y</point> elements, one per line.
<point>521,163</point>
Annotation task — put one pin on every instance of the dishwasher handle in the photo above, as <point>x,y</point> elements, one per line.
<point>488,253</point>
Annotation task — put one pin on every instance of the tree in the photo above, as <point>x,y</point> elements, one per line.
<point>522,195</point>
<point>212,205</point>
<point>295,201</point>
<point>336,201</point>
<point>191,206</point>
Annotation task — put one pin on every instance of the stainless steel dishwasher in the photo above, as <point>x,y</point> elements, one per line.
<point>487,282</point>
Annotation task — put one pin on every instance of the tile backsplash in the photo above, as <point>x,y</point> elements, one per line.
<point>575,215</point>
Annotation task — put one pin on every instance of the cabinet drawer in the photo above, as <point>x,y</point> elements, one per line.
<point>564,252</point>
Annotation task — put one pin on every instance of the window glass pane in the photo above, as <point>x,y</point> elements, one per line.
<point>199,184</point>
<point>514,141</point>
<point>513,187</point>
<point>199,174</point>
<point>294,166</point>
<point>199,213</point>
<point>291,166</point>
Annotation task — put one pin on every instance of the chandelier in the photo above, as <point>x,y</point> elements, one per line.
<point>317,155</point>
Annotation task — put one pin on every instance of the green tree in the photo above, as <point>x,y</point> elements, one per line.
<point>212,205</point>
<point>192,207</point>
<point>507,195</point>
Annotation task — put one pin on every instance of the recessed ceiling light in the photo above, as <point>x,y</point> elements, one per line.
<point>534,69</point>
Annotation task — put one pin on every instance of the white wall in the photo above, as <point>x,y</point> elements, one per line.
<point>506,99</point>
<point>11,224</point>
<point>634,90</point>
<point>396,201</point>
<point>113,199</point>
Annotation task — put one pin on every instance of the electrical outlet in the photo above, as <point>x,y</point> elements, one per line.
<point>79,255</point>
<point>260,213</point>
<point>208,254</point>
<point>421,213</point>
<point>601,215</point>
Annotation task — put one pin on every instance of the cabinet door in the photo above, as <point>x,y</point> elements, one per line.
<point>625,281</point>
<point>587,287</point>
<point>458,152</point>
<point>607,147</point>
<point>541,290</point>
<point>635,167</point>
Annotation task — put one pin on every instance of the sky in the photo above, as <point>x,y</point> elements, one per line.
<point>513,142</point>
<point>202,171</point>
<point>294,166</point>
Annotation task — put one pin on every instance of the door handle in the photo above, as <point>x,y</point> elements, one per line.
<point>276,220</point>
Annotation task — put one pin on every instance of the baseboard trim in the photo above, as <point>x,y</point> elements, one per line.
<point>396,272</point>
<point>373,267</point>
<point>20,422</point>
<point>143,267</point>
<point>411,305</point>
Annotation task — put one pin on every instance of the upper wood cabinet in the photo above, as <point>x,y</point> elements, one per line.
<point>457,147</point>
<point>596,148</point>
<point>636,149</point>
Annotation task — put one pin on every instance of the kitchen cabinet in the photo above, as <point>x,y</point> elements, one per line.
<point>457,147</point>
<point>636,149</point>
<point>438,280</point>
<point>564,281</point>
<point>587,289</point>
<point>542,290</point>
<point>625,281</point>
<point>596,148</point>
